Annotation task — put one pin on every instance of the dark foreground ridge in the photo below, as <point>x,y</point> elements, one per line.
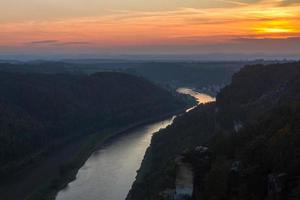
<point>50,123</point>
<point>244,146</point>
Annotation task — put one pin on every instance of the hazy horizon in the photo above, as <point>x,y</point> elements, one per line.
<point>150,57</point>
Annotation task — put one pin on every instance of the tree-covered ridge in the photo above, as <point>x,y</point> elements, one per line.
<point>39,109</point>
<point>252,82</point>
<point>252,133</point>
<point>258,88</point>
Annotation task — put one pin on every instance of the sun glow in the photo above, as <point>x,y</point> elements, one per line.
<point>276,27</point>
<point>276,30</point>
<point>184,25</point>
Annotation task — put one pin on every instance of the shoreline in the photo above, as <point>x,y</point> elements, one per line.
<point>89,146</point>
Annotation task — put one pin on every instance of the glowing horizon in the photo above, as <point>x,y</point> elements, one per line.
<point>98,26</point>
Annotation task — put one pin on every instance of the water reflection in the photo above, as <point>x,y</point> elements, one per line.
<point>109,173</point>
<point>200,97</point>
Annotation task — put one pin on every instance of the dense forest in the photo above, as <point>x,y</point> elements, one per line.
<point>252,137</point>
<point>41,110</point>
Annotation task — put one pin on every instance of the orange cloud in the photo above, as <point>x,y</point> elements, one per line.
<point>266,19</point>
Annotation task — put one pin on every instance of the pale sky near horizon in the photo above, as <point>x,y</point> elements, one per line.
<point>156,26</point>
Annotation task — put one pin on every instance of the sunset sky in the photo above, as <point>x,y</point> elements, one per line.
<point>156,26</point>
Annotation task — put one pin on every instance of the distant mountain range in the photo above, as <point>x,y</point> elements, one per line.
<point>168,73</point>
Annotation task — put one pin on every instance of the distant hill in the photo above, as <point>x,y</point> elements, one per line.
<point>252,133</point>
<point>188,74</point>
<point>167,73</point>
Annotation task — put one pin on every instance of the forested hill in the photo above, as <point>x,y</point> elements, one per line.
<point>252,133</point>
<point>257,89</point>
<point>37,110</point>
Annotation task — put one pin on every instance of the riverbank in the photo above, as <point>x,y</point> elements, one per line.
<point>140,187</point>
<point>53,174</point>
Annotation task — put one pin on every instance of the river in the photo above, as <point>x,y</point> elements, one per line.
<point>109,172</point>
